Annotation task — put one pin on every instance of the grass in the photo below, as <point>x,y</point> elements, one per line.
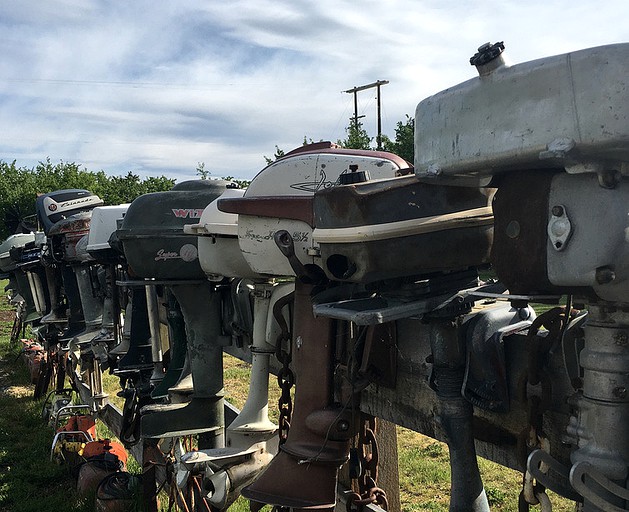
<point>29,482</point>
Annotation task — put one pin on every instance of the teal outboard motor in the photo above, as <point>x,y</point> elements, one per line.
<point>27,261</point>
<point>159,253</point>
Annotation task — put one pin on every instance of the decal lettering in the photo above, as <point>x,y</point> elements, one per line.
<point>187,253</point>
<point>164,255</point>
<point>309,186</point>
<point>187,213</point>
<point>298,236</point>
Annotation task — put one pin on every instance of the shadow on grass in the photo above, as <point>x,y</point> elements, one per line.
<point>28,480</point>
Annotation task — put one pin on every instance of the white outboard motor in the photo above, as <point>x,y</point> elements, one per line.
<point>248,433</point>
<point>102,226</point>
<point>275,226</point>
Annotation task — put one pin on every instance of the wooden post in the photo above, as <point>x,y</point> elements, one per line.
<point>388,473</point>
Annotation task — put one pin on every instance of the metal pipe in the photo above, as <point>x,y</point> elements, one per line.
<point>601,425</point>
<point>152,306</point>
<point>253,424</point>
<point>455,413</point>
<point>201,308</point>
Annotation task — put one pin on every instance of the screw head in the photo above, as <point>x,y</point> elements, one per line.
<point>557,210</point>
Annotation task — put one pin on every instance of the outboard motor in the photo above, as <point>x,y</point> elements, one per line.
<point>68,239</point>
<point>275,224</point>
<point>159,253</point>
<point>413,247</point>
<point>52,208</point>
<point>102,226</point>
<point>17,279</point>
<point>228,470</point>
<point>27,260</point>
<point>555,143</point>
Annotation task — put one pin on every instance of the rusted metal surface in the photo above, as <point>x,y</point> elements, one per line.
<point>295,208</point>
<point>389,228</point>
<point>318,442</point>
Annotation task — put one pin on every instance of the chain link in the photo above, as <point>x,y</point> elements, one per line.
<point>285,376</point>
<point>367,469</point>
<point>535,389</point>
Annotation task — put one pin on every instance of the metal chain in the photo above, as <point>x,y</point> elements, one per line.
<point>368,491</point>
<point>285,376</point>
<point>532,437</point>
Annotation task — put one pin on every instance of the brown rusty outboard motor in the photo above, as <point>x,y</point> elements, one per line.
<point>414,247</point>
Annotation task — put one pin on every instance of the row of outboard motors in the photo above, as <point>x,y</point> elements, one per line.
<point>355,275</point>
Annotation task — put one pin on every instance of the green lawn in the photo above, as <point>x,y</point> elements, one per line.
<point>29,482</point>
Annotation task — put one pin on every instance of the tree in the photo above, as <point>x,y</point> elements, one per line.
<point>357,137</point>
<point>19,187</point>
<point>202,172</point>
<point>279,153</point>
<point>404,144</point>
<point>241,183</point>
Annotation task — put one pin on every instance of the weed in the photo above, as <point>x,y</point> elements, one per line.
<point>495,496</point>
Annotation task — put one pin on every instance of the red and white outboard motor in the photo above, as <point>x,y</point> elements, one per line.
<point>68,241</point>
<point>228,470</point>
<point>159,253</point>
<point>275,227</point>
<point>53,208</point>
<point>554,140</point>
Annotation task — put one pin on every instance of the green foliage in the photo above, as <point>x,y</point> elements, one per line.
<point>202,172</point>
<point>19,186</point>
<point>357,137</point>
<point>404,143</point>
<point>495,496</point>
<point>279,153</point>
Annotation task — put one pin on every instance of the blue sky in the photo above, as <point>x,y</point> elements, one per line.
<point>155,87</point>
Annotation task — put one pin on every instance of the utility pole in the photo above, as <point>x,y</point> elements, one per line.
<point>356,117</point>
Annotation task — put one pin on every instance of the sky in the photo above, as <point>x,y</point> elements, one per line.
<point>156,87</point>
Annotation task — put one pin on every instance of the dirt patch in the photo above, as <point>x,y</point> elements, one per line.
<point>7,316</point>
<point>7,371</point>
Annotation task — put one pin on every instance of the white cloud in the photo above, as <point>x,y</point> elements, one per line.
<point>156,87</point>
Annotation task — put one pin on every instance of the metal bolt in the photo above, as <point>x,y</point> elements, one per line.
<point>605,275</point>
<point>557,210</point>
<point>609,178</point>
<point>299,342</point>
<point>620,392</point>
<point>342,426</point>
<point>513,229</point>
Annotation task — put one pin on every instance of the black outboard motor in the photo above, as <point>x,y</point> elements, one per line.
<point>158,252</point>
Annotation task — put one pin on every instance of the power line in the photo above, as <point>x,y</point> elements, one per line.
<point>355,91</point>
